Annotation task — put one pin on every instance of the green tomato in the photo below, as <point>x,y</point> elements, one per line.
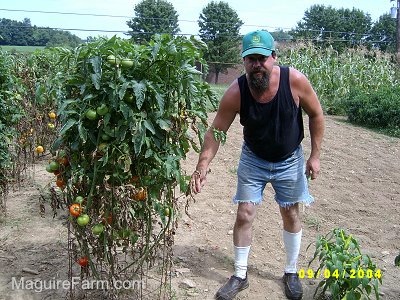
<point>91,114</point>
<point>48,169</point>
<point>105,137</point>
<point>54,166</point>
<point>83,220</point>
<point>102,110</point>
<point>127,63</point>
<point>167,212</point>
<point>113,60</point>
<point>98,229</point>
<point>78,199</point>
<point>129,98</point>
<point>102,147</point>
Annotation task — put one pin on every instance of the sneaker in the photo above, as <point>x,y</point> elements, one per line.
<point>231,288</point>
<point>293,288</point>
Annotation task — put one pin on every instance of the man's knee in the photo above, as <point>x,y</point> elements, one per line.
<point>245,214</point>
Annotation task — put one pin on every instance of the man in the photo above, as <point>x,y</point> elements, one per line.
<point>269,100</point>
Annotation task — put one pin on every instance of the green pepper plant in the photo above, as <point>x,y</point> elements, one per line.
<point>346,272</point>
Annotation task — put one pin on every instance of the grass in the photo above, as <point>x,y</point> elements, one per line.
<point>21,49</point>
<point>219,89</point>
<point>312,222</point>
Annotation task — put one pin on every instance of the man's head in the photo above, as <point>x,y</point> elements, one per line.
<point>258,42</point>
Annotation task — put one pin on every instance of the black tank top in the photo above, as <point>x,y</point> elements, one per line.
<point>272,130</point>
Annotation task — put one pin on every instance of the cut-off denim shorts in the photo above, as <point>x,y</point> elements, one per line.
<point>287,178</point>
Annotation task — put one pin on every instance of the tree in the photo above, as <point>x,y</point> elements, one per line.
<point>24,34</point>
<point>340,28</point>
<point>383,33</point>
<point>151,17</point>
<point>219,29</point>
<point>281,36</point>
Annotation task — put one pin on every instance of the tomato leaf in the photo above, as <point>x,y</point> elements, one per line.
<point>83,133</point>
<point>164,124</point>
<point>139,89</point>
<point>67,125</point>
<point>149,126</point>
<point>96,80</point>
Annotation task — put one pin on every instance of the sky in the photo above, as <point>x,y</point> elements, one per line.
<point>255,14</point>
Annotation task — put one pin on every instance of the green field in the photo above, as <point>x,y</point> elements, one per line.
<point>22,49</point>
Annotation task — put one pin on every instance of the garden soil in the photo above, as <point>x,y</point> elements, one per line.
<point>358,190</point>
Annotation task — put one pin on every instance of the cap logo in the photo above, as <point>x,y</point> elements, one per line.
<point>256,39</point>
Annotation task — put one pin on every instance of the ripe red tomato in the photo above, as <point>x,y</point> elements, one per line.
<point>63,161</point>
<point>107,219</point>
<point>83,261</point>
<point>141,194</point>
<point>75,209</point>
<point>60,183</point>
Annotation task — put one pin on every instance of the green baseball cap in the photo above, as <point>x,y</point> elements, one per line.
<point>258,42</point>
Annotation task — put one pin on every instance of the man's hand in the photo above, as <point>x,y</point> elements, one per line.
<point>198,180</point>
<point>312,167</point>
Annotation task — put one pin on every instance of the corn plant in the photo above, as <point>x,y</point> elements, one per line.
<point>334,74</point>
<point>346,273</point>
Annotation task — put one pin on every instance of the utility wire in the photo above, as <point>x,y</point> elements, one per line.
<point>326,37</point>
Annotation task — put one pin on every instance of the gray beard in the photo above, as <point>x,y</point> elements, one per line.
<point>259,84</point>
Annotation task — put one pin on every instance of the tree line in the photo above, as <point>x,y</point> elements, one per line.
<point>18,33</point>
<point>220,29</point>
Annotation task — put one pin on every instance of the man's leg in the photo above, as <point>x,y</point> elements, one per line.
<point>292,240</point>
<point>242,237</point>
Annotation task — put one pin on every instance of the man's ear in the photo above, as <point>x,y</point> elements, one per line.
<point>273,54</point>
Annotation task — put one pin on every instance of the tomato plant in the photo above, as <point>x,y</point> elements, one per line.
<point>125,123</point>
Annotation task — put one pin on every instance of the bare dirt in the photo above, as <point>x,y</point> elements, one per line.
<point>358,190</point>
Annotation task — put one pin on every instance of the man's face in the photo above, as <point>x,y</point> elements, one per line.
<point>258,73</point>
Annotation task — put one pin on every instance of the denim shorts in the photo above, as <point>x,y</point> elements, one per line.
<point>287,178</point>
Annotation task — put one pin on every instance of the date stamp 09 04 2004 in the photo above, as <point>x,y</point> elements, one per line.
<point>352,274</point>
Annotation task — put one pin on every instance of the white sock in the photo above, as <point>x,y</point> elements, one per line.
<point>292,243</point>
<point>241,257</point>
